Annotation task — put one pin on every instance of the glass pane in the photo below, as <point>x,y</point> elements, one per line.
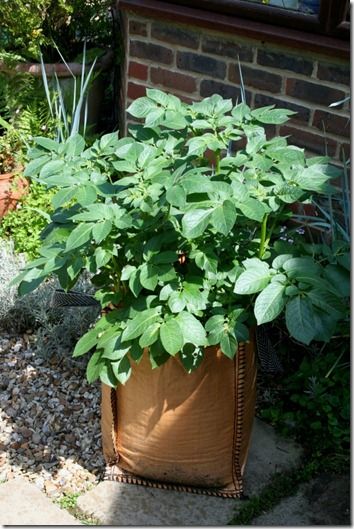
<point>310,7</point>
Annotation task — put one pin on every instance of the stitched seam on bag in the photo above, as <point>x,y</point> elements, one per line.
<point>114,428</point>
<point>110,475</point>
<point>240,401</point>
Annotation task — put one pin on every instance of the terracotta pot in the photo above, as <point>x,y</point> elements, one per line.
<point>11,190</point>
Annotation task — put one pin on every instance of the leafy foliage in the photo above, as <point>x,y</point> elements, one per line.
<point>25,224</point>
<point>27,26</point>
<point>185,253</point>
<point>313,403</point>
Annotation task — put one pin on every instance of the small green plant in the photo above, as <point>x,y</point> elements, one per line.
<point>25,224</point>
<point>185,252</point>
<point>313,403</point>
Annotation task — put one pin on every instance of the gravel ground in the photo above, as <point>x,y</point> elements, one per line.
<point>49,420</point>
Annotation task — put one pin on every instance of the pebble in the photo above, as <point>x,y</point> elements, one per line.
<point>49,420</point>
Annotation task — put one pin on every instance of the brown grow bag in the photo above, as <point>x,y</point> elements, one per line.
<point>190,432</point>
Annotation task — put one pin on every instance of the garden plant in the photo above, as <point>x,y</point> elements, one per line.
<point>180,226</point>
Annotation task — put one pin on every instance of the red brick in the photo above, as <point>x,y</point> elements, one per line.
<point>255,78</point>
<point>154,52</point>
<point>310,141</point>
<point>228,91</point>
<point>194,62</point>
<point>334,73</point>
<point>174,80</point>
<point>333,123</point>
<point>313,92</point>
<point>227,48</point>
<point>137,28</point>
<point>175,35</point>
<point>283,61</point>
<point>136,90</point>
<point>138,71</point>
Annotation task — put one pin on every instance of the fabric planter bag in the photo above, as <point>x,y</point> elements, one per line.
<point>190,432</point>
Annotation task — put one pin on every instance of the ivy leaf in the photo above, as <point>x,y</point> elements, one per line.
<point>269,303</point>
<point>299,319</point>
<point>171,336</point>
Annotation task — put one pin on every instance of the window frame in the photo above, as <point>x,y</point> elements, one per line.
<point>330,21</point>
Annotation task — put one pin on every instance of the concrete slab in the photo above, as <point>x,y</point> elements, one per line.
<point>22,503</point>
<point>121,504</point>
<point>324,501</point>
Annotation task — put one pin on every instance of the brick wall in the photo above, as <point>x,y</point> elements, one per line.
<point>193,63</point>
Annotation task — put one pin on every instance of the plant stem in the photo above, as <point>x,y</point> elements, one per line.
<point>217,162</point>
<point>262,244</point>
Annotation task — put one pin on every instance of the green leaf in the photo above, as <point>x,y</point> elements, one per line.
<point>51,168</point>
<point>194,222</point>
<point>269,303</point>
<point>279,261</point>
<point>296,266</point>
<point>122,370</point>
<point>299,319</point>
<point>31,281</point>
<point>86,195</point>
<point>252,209</point>
<point>101,230</point>
<point>141,107</point>
<point>228,345</point>
<point>35,165</point>
<point>140,322</point>
<point>176,302</point>
<point>63,196</point>
<point>107,376</point>
<point>74,145</point>
<point>252,280</point>
<point>134,283</point>
<point>223,217</point>
<point>271,115</point>
<point>79,236</point>
<point>176,196</point>
<point>171,336</point>
<point>192,330</point>
<point>150,335</point>
<point>47,143</point>
<point>114,349</point>
<point>94,367</point>
<point>340,279</point>
<point>148,276</point>
<point>191,357</point>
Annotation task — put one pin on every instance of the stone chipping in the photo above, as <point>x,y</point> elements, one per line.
<point>49,420</point>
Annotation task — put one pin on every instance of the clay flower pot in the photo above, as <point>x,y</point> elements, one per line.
<point>12,188</point>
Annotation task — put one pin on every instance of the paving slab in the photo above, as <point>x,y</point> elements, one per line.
<point>324,501</point>
<point>22,503</point>
<point>118,504</point>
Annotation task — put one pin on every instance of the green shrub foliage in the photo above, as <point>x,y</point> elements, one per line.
<point>179,223</point>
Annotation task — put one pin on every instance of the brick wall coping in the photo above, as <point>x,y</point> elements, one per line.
<point>232,24</point>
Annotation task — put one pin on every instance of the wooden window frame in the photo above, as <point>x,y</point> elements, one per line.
<point>331,19</point>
